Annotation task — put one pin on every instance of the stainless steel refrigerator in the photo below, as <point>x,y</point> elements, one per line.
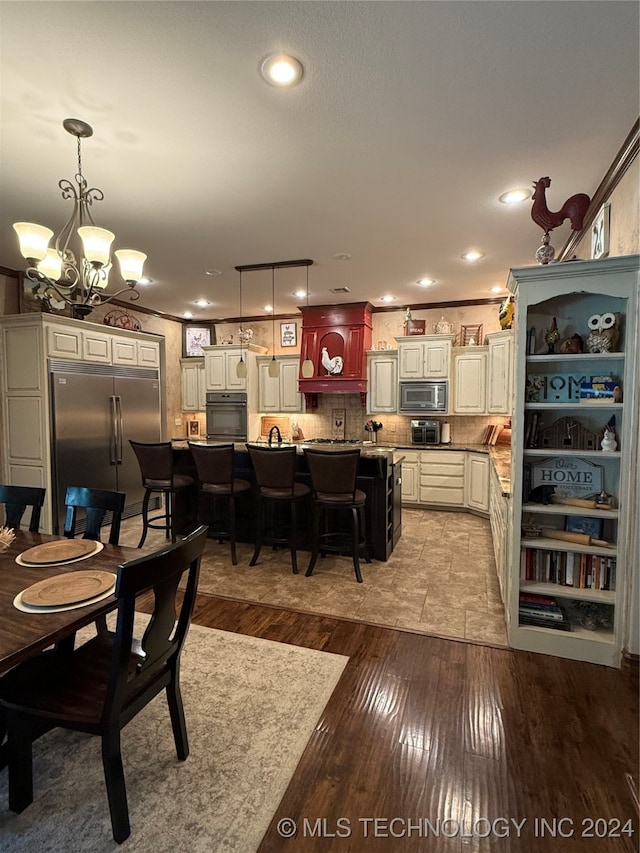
<point>95,410</point>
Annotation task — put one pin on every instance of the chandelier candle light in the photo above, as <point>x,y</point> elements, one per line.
<point>58,278</point>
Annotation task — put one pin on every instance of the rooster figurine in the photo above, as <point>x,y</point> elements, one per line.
<point>331,365</point>
<point>574,209</point>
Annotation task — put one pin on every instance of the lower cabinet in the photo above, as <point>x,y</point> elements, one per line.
<point>442,477</point>
<point>411,477</point>
<point>500,519</point>
<point>477,481</point>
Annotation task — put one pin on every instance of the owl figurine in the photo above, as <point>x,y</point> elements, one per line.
<point>604,332</point>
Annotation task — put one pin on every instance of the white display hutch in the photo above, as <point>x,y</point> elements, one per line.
<point>573,292</point>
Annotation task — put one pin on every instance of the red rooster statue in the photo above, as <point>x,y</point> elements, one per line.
<point>574,208</point>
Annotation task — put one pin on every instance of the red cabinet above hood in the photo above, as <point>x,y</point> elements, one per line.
<point>336,339</point>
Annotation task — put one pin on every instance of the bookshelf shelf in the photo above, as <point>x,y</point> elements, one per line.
<point>547,411</point>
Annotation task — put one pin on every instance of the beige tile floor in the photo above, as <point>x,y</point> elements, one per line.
<point>440,579</point>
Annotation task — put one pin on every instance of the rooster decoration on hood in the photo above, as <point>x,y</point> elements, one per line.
<point>331,365</point>
<point>573,209</point>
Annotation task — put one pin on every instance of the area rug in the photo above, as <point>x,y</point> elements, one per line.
<point>251,706</point>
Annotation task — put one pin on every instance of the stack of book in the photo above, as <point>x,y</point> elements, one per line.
<point>542,611</point>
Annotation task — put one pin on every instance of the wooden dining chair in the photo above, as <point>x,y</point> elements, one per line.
<point>104,683</point>
<point>16,499</point>
<point>96,503</point>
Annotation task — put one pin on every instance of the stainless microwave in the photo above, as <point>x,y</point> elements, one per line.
<point>417,397</point>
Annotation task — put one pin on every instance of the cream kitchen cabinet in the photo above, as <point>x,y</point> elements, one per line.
<point>194,388</point>
<point>470,380</point>
<point>279,393</point>
<point>410,477</point>
<point>382,382</point>
<point>477,481</point>
<point>424,356</point>
<point>220,367</point>
<point>500,373</point>
<point>500,519</point>
<point>442,477</point>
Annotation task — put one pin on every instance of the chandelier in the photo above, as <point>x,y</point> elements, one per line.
<point>57,276</point>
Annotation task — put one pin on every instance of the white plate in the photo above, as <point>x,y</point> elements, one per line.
<point>17,603</point>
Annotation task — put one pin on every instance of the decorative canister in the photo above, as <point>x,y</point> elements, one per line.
<point>442,327</point>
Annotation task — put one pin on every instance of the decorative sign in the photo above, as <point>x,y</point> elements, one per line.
<point>559,387</point>
<point>288,336</point>
<point>571,476</point>
<point>194,338</point>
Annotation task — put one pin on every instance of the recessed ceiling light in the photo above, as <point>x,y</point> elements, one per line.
<point>497,288</point>
<point>281,70</point>
<point>300,294</point>
<point>425,282</point>
<point>515,196</point>
<point>342,256</point>
<point>268,308</point>
<point>387,298</point>
<point>187,315</point>
<point>202,303</point>
<point>473,255</point>
<point>213,272</point>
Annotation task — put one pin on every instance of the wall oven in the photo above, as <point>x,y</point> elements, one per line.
<point>226,416</point>
<point>418,397</point>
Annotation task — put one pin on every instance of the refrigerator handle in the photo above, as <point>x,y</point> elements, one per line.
<point>113,438</point>
<point>120,429</point>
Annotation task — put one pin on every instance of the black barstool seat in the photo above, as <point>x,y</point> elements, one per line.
<point>214,464</point>
<point>333,478</point>
<point>278,489</point>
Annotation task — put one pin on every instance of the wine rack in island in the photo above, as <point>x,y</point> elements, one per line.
<point>574,459</point>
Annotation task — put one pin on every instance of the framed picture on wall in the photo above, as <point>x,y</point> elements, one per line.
<point>196,337</point>
<point>288,334</point>
<point>600,233</point>
<point>193,429</point>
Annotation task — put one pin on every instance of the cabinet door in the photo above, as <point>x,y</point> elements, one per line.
<point>410,482</point>
<point>124,351</point>
<point>437,357</point>
<point>500,372</point>
<point>290,397</point>
<point>96,346</point>
<point>268,389</point>
<point>148,354</point>
<point>470,370</point>
<point>215,366</point>
<point>382,388</point>
<point>202,388</point>
<point>411,360</point>
<point>64,343</point>
<point>477,481</point>
<point>190,399</point>
<point>234,383</point>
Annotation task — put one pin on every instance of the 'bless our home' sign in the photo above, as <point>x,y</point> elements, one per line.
<point>571,476</point>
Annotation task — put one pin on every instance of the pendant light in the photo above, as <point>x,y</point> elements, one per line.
<point>307,369</point>
<point>241,366</point>
<point>274,366</point>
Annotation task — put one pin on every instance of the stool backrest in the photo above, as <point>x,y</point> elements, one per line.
<point>155,460</point>
<point>96,503</point>
<point>214,463</point>
<point>333,471</point>
<point>16,499</point>
<point>275,468</point>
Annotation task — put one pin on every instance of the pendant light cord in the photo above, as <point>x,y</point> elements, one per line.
<point>273,314</point>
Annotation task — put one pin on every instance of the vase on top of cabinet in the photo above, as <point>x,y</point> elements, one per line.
<point>572,559</point>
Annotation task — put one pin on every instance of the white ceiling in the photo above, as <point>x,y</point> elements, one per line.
<point>411,119</point>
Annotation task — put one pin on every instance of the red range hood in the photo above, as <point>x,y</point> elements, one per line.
<point>336,338</point>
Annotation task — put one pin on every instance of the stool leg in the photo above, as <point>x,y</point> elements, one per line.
<point>363,534</point>
<point>145,516</point>
<point>259,533</point>
<point>232,529</point>
<point>355,548</point>
<point>170,524</point>
<point>294,536</point>
<point>315,539</point>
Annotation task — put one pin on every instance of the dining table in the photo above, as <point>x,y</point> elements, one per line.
<point>23,635</point>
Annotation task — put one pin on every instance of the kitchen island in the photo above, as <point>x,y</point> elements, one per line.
<point>379,477</point>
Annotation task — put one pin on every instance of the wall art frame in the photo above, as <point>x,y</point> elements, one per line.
<point>196,336</point>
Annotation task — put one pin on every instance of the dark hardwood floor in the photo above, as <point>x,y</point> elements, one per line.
<point>496,749</point>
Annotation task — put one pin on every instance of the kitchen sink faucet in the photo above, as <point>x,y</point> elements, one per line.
<point>278,434</point>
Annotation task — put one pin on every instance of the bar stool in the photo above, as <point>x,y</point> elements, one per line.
<point>156,466</point>
<point>214,464</point>
<point>278,492</point>
<point>333,481</point>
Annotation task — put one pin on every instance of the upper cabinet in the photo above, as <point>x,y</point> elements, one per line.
<point>279,393</point>
<point>221,366</point>
<point>424,356</point>
<point>194,388</point>
<point>470,380</point>
<point>382,382</point>
<point>500,373</point>
<point>573,554</point>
